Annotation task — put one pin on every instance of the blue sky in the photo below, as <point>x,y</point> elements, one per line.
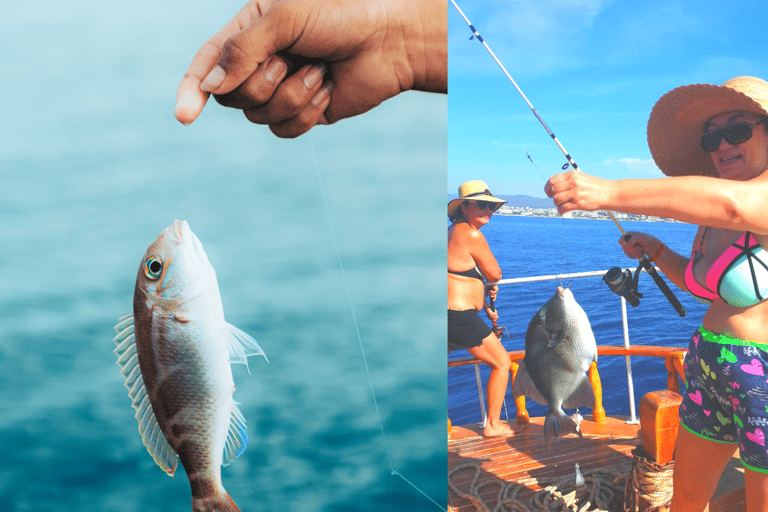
<point>593,69</point>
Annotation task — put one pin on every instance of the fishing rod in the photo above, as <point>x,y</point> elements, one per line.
<point>643,260</point>
<point>497,330</point>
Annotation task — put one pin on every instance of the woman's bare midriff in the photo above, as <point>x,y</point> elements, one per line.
<point>465,293</point>
<point>742,323</point>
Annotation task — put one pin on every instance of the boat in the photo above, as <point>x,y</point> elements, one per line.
<point>625,462</point>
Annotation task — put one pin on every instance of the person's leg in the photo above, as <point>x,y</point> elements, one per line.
<point>699,463</point>
<point>756,489</point>
<point>493,353</point>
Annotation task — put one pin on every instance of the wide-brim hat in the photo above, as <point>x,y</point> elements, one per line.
<point>474,190</point>
<point>677,121</point>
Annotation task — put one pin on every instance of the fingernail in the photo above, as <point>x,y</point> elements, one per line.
<point>214,79</point>
<point>321,95</point>
<point>274,69</point>
<point>313,77</point>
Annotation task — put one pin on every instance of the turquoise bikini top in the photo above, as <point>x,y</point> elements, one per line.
<point>739,276</point>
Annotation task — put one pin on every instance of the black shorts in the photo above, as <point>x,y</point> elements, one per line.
<point>466,329</point>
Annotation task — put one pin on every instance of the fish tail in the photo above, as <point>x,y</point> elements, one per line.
<point>219,503</point>
<point>557,424</point>
<point>209,497</point>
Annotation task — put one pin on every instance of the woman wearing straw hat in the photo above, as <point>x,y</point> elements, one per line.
<point>469,261</point>
<point>713,143</point>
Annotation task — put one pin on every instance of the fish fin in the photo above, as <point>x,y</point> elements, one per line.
<point>583,396</point>
<point>237,439</point>
<point>242,345</point>
<point>151,435</point>
<point>557,424</point>
<point>524,385</point>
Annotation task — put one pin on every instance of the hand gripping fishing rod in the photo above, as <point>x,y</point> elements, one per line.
<point>497,330</point>
<point>643,260</point>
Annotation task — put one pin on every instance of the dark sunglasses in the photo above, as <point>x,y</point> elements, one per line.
<point>482,205</point>
<point>733,134</point>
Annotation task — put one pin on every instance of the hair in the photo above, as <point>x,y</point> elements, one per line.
<point>458,216</point>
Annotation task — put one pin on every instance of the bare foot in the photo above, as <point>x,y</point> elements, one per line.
<point>500,430</point>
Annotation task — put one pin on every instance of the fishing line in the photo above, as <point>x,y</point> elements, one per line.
<point>563,250</point>
<point>393,472</point>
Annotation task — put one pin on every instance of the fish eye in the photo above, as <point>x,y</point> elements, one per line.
<point>153,267</point>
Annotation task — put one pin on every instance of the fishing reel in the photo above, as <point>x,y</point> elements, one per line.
<point>621,283</point>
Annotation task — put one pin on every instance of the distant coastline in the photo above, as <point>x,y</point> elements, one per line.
<point>527,206</point>
<point>528,211</point>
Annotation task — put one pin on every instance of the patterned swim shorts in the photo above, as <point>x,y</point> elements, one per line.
<point>726,396</point>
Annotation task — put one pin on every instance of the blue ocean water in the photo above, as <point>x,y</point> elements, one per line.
<point>529,246</point>
<point>94,167</point>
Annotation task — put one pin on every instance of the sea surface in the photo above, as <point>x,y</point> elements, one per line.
<point>533,246</point>
<point>94,166</point>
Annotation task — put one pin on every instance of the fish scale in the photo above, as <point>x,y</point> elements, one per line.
<point>175,352</point>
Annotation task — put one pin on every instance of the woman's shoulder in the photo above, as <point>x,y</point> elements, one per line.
<point>467,232</point>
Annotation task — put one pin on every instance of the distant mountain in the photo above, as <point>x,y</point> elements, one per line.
<point>520,200</point>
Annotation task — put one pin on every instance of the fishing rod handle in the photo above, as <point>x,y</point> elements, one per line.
<point>662,286</point>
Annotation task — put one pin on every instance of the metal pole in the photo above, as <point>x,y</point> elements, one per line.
<point>630,383</point>
<point>480,395</point>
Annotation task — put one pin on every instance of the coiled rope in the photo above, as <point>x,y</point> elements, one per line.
<point>649,486</point>
<point>602,491</point>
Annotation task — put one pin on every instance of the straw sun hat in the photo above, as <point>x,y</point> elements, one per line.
<point>677,121</point>
<point>474,190</point>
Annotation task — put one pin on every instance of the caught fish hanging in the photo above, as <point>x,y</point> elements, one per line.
<point>559,349</point>
<point>175,351</point>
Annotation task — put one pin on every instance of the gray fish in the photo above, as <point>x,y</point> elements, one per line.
<point>559,347</point>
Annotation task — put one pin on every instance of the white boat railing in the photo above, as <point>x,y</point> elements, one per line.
<point>559,277</point>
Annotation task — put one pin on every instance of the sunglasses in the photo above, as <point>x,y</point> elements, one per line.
<point>482,205</point>
<point>733,134</point>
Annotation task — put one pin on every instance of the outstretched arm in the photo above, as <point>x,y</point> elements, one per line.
<point>716,202</point>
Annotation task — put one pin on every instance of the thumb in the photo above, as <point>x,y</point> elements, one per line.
<point>242,53</point>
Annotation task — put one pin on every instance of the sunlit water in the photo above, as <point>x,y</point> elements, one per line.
<point>94,167</point>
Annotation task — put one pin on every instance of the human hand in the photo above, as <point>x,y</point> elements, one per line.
<point>292,64</point>
<point>493,315</point>
<point>636,244</point>
<point>576,190</point>
<point>492,291</point>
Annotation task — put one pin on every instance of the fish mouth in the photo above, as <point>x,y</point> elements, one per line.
<point>180,227</point>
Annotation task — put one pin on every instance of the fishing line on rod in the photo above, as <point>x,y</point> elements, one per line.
<point>563,250</point>
<point>393,472</point>
<point>643,260</point>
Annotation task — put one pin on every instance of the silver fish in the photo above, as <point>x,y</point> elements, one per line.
<point>175,352</point>
<point>559,347</point>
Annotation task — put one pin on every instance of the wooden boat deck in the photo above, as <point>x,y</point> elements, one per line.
<point>524,457</point>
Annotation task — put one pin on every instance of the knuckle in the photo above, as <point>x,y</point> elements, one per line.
<point>235,49</point>
<point>293,99</point>
<point>256,116</point>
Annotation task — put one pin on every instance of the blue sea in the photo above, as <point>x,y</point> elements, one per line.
<point>530,246</point>
<point>94,166</point>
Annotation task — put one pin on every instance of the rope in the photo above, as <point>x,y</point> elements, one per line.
<point>602,491</point>
<point>649,486</point>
